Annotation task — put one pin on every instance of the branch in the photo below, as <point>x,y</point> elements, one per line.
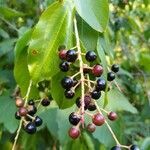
<point>81,70</point>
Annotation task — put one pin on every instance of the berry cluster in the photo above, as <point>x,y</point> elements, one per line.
<point>93,90</point>
<point>94,85</point>
<point>27,112</point>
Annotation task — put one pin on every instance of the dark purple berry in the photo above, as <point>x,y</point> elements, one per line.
<point>97,70</point>
<point>31,102</point>
<point>22,111</point>
<point>101,84</point>
<point>112,116</point>
<point>17,116</point>
<point>90,56</point>
<point>30,128</point>
<point>115,68</point>
<point>69,94</point>
<point>110,76</point>
<point>31,109</point>
<point>96,94</point>
<point>74,119</point>
<point>91,107</point>
<point>98,119</point>
<point>91,127</point>
<point>64,66</point>
<point>45,102</point>
<point>67,83</point>
<point>71,55</point>
<point>74,133</point>
<point>38,121</point>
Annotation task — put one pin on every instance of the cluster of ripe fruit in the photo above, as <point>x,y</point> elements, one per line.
<point>27,114</point>
<point>92,92</point>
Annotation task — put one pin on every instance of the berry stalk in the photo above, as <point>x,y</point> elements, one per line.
<point>81,70</point>
<point>21,121</point>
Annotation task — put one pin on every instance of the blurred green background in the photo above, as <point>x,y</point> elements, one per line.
<point>129,35</point>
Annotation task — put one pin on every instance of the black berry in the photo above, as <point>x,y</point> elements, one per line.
<point>115,68</point>
<point>69,94</point>
<point>45,102</point>
<point>64,66</point>
<point>31,110</point>
<point>74,119</point>
<point>31,102</point>
<point>101,84</point>
<point>30,128</point>
<point>90,56</point>
<point>87,100</point>
<point>71,55</point>
<point>17,116</point>
<point>134,147</point>
<point>96,94</point>
<point>67,83</point>
<point>110,76</point>
<point>116,148</point>
<point>38,121</point>
<point>91,107</point>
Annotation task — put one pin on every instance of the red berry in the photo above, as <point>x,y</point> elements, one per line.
<point>23,111</point>
<point>97,70</point>
<point>98,119</point>
<point>112,116</point>
<point>19,102</point>
<point>74,132</point>
<point>62,54</point>
<point>91,127</point>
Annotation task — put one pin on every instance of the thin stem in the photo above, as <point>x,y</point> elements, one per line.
<point>75,75</point>
<point>76,85</point>
<point>74,47</point>
<point>89,81</point>
<point>21,121</point>
<point>81,70</point>
<point>112,133</point>
<point>89,114</point>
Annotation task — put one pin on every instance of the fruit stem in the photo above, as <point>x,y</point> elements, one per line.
<point>112,133</point>
<point>89,114</point>
<point>76,85</point>
<point>75,74</point>
<point>74,47</point>
<point>89,81</point>
<point>30,117</point>
<point>81,70</point>
<point>21,121</point>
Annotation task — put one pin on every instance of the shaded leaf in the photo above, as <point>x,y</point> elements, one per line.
<point>95,13</point>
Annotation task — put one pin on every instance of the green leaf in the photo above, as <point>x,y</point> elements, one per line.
<point>7,111</point>
<point>9,13</point>
<point>119,102</point>
<point>94,12</point>
<point>58,92</point>
<point>87,35</point>
<point>21,72</point>
<point>53,29</point>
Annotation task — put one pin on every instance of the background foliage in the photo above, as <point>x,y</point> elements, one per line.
<point>126,41</point>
